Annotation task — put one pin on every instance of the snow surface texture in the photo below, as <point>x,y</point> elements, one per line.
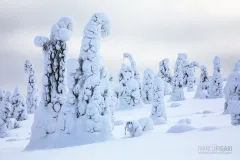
<point>216,82</point>
<point>54,83</point>
<point>146,146</point>
<point>232,95</point>
<point>203,86</point>
<point>32,91</point>
<point>19,108</point>
<point>158,105</point>
<point>179,128</point>
<point>147,88</point>
<point>177,81</point>
<point>134,68</point>
<point>176,104</point>
<point>129,88</point>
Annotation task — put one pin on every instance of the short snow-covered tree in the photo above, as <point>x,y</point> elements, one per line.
<point>164,73</point>
<point>133,128</point>
<point>203,86</point>
<point>158,114</point>
<point>232,94</point>
<point>32,97</point>
<point>177,81</point>
<point>216,82</point>
<point>54,81</point>
<point>19,108</point>
<point>147,88</point>
<point>134,68</point>
<point>4,131</point>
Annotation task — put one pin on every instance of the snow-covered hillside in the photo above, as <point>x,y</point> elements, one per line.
<point>208,127</point>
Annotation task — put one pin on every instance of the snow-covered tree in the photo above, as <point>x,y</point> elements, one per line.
<point>232,94</point>
<point>164,73</point>
<point>203,86</point>
<point>177,81</point>
<point>164,70</point>
<point>133,128</point>
<point>19,109</point>
<point>134,68</point>
<point>158,114</point>
<point>147,88</point>
<point>2,94</point>
<point>4,131</point>
<point>216,82</point>
<point>54,81</point>
<point>32,97</point>
<point>8,97</point>
<point>180,63</point>
<point>189,68</point>
<point>91,92</point>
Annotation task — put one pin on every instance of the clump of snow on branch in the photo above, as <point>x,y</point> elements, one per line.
<point>232,94</point>
<point>216,82</point>
<point>19,108</point>
<point>32,91</point>
<point>158,105</point>
<point>147,88</point>
<point>203,86</point>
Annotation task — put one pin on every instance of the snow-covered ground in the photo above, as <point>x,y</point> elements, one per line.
<point>208,128</point>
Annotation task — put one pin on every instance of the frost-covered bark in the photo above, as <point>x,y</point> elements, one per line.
<point>216,82</point>
<point>32,97</point>
<point>134,68</point>
<point>232,94</point>
<point>147,88</point>
<point>203,86</point>
<point>54,82</point>
<point>19,108</point>
<point>177,80</point>
<point>158,114</point>
<point>91,93</point>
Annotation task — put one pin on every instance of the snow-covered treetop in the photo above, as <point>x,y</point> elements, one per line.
<point>62,30</point>
<point>27,66</point>
<point>217,63</point>
<point>149,74</point>
<point>2,94</point>
<point>237,66</point>
<point>133,65</point>
<point>125,74</point>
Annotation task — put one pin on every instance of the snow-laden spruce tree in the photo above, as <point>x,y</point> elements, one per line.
<point>32,96</point>
<point>164,73</point>
<point>91,92</point>
<point>134,68</point>
<point>2,94</point>
<point>19,108</point>
<point>147,88</point>
<point>189,68</point>
<point>180,63</point>
<point>177,81</point>
<point>232,94</point>
<point>216,82</point>
<point>158,114</point>
<point>54,82</point>
<point>129,88</point>
<point>203,86</point>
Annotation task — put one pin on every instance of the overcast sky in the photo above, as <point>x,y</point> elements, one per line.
<point>151,30</point>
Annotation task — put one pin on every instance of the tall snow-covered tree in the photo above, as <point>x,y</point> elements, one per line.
<point>189,68</point>
<point>129,92</point>
<point>147,88</point>
<point>32,97</point>
<point>232,94</point>
<point>91,92</point>
<point>191,80</point>
<point>45,123</point>
<point>203,86</point>
<point>216,82</point>
<point>19,108</point>
<point>158,114</point>
<point>177,81</point>
<point>180,63</point>
<point>134,68</point>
